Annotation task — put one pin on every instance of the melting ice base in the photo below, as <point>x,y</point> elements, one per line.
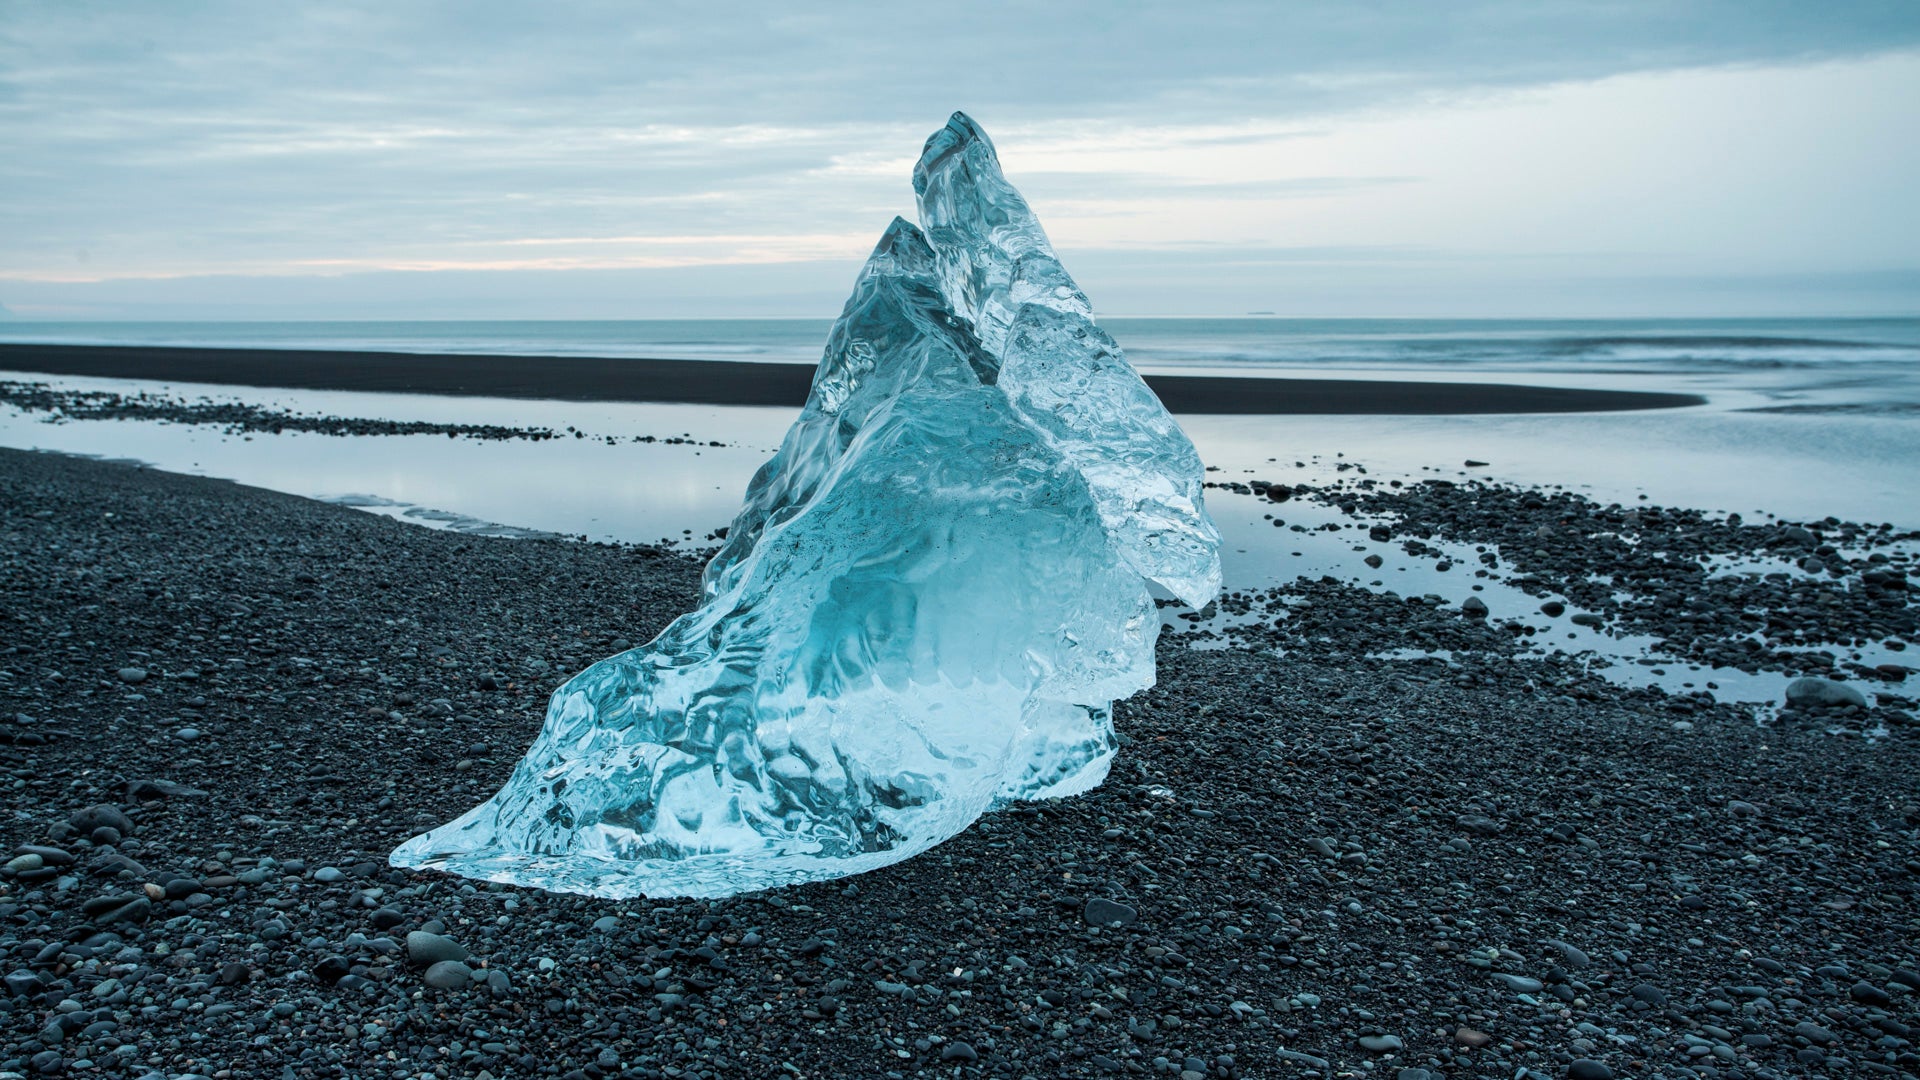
<point>933,593</point>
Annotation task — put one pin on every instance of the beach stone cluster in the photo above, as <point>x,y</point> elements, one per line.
<point>57,404</point>
<point>1657,570</point>
<point>1781,597</point>
<point>222,706</point>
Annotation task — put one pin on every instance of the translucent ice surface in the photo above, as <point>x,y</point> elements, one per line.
<point>933,594</point>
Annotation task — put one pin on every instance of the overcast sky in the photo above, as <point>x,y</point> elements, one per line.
<point>459,160</point>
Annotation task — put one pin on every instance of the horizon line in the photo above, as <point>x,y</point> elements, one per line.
<point>14,319</point>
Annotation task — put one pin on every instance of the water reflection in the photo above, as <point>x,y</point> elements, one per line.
<point>1716,457</point>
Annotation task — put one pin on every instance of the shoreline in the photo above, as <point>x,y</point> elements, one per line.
<point>222,706</point>
<point>742,383</point>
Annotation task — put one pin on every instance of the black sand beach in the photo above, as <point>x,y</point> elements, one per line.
<point>577,378</point>
<point>220,707</point>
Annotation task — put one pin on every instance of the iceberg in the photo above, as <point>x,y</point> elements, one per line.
<point>934,592</point>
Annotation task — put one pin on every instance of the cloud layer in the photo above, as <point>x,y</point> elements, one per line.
<point>215,144</point>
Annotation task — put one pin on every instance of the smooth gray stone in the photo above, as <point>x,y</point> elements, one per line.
<point>1520,983</point>
<point>1824,693</point>
<point>1303,1059</point>
<point>429,949</point>
<point>449,975</point>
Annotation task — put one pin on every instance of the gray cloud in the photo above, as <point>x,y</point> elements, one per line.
<point>190,138</point>
<point>695,62</point>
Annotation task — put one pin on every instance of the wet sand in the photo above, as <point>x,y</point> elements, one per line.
<point>704,382</point>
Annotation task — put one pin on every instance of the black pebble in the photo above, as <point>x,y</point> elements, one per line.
<point>1103,912</point>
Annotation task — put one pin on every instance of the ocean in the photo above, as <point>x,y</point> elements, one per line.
<point>1433,347</point>
<point>1858,366</point>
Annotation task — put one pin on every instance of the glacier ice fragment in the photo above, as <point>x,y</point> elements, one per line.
<point>933,593</point>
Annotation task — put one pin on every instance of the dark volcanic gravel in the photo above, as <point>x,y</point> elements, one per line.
<point>222,706</point>
<point>1650,569</point>
<point>1715,590</point>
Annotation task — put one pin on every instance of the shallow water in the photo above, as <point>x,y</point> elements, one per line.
<point>1305,547</point>
<point>1721,457</point>
<point>633,492</point>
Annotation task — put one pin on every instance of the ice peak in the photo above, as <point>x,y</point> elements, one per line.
<point>956,138</point>
<point>900,231</point>
<point>902,248</point>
